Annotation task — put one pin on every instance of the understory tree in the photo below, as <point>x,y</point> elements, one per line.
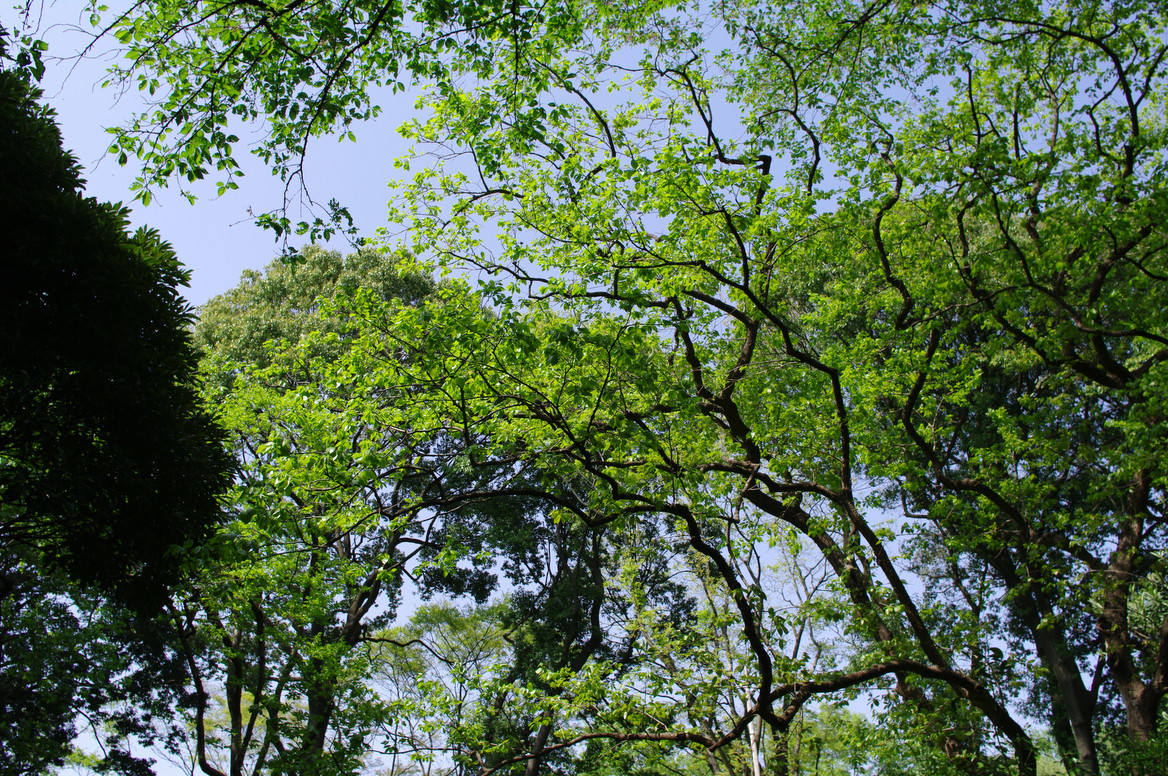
<point>884,282</point>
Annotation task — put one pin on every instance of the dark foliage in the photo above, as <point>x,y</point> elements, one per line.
<point>107,460</point>
<point>69,659</point>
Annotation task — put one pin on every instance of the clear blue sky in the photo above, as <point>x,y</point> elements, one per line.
<point>215,237</point>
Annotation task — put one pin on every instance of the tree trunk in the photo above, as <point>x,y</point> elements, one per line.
<point>779,761</point>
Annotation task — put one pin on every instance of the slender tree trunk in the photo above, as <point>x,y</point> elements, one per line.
<point>779,761</point>
<point>1077,701</point>
<point>1141,699</point>
<point>755,731</point>
<point>541,737</point>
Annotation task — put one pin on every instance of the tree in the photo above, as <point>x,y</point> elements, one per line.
<point>109,461</point>
<point>72,663</point>
<point>348,495</point>
<point>110,468</point>
<point>867,257</point>
<point>978,353</point>
<point>245,326</point>
<point>341,503</point>
<point>431,670</point>
<point>311,560</point>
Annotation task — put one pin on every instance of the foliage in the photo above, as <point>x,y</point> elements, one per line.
<point>270,630</point>
<point>343,498</point>
<point>882,281</point>
<point>430,670</point>
<point>282,304</point>
<point>107,459</point>
<point>307,69</point>
<point>110,468</point>
<point>22,53</point>
<point>69,658</point>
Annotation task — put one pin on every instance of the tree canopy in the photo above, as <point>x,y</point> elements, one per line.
<point>110,467</point>
<point>108,459</point>
<point>882,284</point>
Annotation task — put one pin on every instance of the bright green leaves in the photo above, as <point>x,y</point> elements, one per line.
<point>305,70</point>
<point>733,301</point>
<point>323,498</point>
<point>942,294</point>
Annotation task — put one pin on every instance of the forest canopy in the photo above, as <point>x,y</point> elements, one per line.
<point>782,354</point>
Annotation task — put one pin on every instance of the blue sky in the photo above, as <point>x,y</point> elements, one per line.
<point>216,238</point>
